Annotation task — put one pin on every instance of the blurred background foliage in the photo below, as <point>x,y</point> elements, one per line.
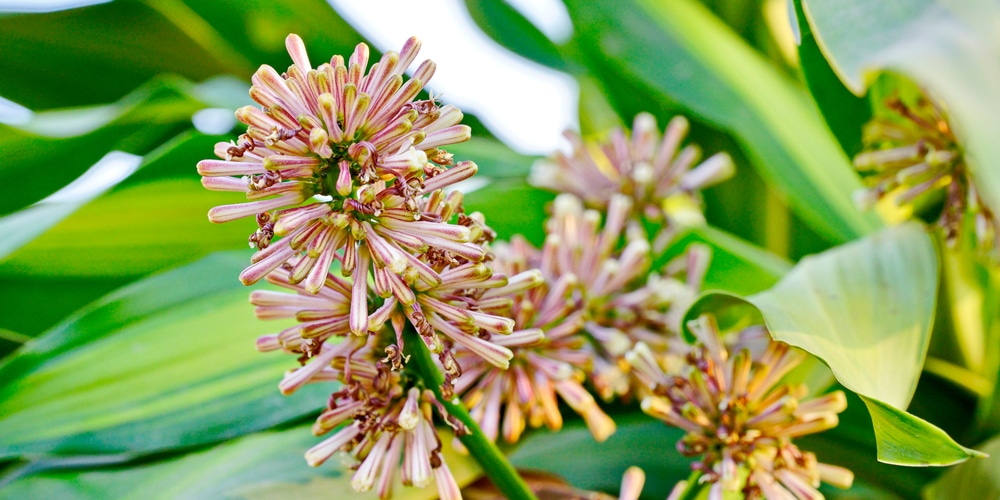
<point>128,365</point>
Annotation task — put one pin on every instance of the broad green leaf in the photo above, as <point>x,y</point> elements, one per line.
<point>495,159</point>
<point>25,225</point>
<point>267,465</point>
<point>32,306</point>
<point>512,207</point>
<point>677,51</point>
<point>168,362</point>
<point>23,291</point>
<point>256,29</point>
<point>639,441</point>
<point>736,266</point>
<point>844,112</point>
<point>597,117</point>
<point>988,412</point>
<point>866,309</point>
<point>852,444</point>
<point>97,54</point>
<point>949,47</point>
<point>137,124</point>
<point>904,439</point>
<point>509,28</point>
<point>969,480</point>
<point>132,232</point>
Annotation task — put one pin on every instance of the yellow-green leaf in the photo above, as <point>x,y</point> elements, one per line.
<point>167,362</point>
<point>866,310</point>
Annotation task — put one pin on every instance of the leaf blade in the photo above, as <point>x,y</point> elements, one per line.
<point>658,48</point>
<point>950,48</point>
<point>865,309</point>
<point>142,370</point>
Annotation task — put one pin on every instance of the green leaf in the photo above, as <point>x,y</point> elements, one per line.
<point>154,219</point>
<point>167,362</point>
<point>82,281</point>
<point>736,266</point>
<point>495,159</point>
<point>639,441</point>
<point>596,114</point>
<point>866,309</point>
<point>108,50</point>
<point>512,207</point>
<point>509,28</point>
<point>96,54</point>
<point>948,47</point>
<point>905,439</point>
<point>267,465</point>
<point>132,232</point>
<point>31,307</point>
<point>256,29</point>
<point>25,225</point>
<point>852,445</point>
<point>844,112</point>
<point>677,51</point>
<point>971,479</point>
<point>137,124</point>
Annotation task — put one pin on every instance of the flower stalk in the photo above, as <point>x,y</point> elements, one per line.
<point>489,457</point>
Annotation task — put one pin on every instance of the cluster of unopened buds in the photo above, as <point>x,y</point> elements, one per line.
<point>913,157</point>
<point>739,418</point>
<point>348,170</point>
<point>346,174</point>
<point>660,177</point>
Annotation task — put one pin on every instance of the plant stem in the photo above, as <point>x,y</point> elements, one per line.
<point>497,468</point>
<point>692,488</point>
<point>12,336</point>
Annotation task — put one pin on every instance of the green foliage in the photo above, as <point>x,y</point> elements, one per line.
<point>509,28</point>
<point>584,463</point>
<point>971,478</point>
<point>736,266</point>
<point>150,367</point>
<point>266,465</point>
<point>156,366</point>
<point>137,124</point>
<point>844,112</point>
<point>652,51</point>
<point>943,46</point>
<point>866,309</point>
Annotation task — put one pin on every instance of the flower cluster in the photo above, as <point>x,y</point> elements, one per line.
<point>344,166</point>
<point>346,175</point>
<point>390,414</point>
<point>739,419</point>
<point>362,152</point>
<point>623,300</point>
<point>913,157</point>
<point>551,364</point>
<point>656,173</point>
<point>590,297</point>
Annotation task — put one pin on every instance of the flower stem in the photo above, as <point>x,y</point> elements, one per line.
<point>14,337</point>
<point>489,457</point>
<point>693,488</point>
